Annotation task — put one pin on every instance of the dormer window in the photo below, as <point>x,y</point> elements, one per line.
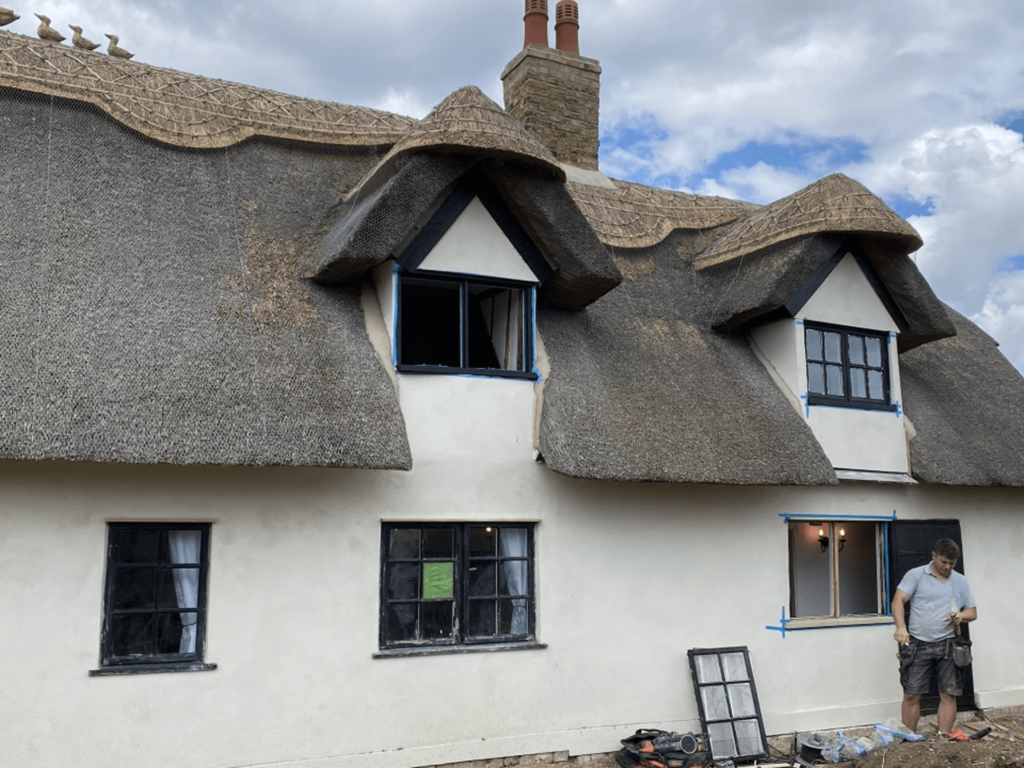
<point>847,367</point>
<point>458,324</point>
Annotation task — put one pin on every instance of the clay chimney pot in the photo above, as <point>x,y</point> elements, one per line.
<point>567,26</point>
<point>536,20</point>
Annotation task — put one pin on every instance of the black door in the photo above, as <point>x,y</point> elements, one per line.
<point>910,545</point>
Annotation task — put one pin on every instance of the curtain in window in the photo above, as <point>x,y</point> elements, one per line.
<point>184,547</point>
<point>512,543</point>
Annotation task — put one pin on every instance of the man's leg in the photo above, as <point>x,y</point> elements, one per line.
<point>947,712</point>
<point>911,710</point>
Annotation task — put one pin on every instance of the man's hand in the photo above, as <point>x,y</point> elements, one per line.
<point>902,636</point>
<point>956,617</point>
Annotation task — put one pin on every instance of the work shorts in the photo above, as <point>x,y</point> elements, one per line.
<point>919,661</point>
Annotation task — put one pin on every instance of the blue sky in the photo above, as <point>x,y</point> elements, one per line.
<point>920,100</point>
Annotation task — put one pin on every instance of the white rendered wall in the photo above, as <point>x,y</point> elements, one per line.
<point>852,438</point>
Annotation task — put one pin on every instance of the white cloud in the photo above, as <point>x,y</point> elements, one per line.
<point>1002,315</point>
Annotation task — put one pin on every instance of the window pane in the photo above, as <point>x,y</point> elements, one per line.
<point>483,618</point>
<point>708,670</point>
<point>438,543</point>
<point>403,581</point>
<point>741,699</point>
<point>496,328</point>
<point>858,383</point>
<point>135,588</point>
<point>402,622</point>
<point>813,344</point>
<point>876,385</point>
<point>722,742</point>
<point>855,344</point>
<point>405,544</point>
<point>481,579</point>
<point>132,635</point>
<point>833,352</point>
<point>715,707</point>
<point>168,631</point>
<point>748,738</point>
<point>834,379</point>
<point>735,666</point>
<point>514,619</point>
<point>874,347</point>
<point>431,324</point>
<point>138,546</point>
<point>816,378</point>
<point>513,577</point>
<point>177,588</point>
<point>438,580</point>
<point>482,542</point>
<point>436,620</point>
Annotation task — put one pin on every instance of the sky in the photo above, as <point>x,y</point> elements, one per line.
<point>920,100</point>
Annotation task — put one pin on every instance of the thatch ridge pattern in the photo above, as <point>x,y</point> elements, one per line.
<point>638,216</point>
<point>836,203</point>
<point>187,110</point>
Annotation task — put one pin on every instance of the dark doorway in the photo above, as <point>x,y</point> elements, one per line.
<point>910,545</point>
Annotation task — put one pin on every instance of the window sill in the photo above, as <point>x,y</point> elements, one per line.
<point>866,476</point>
<point>829,622</point>
<point>435,650</point>
<point>144,669</point>
<point>483,373</point>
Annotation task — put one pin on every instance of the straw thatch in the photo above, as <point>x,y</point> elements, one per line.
<point>636,216</point>
<point>185,110</point>
<point>833,204</point>
<point>966,402</point>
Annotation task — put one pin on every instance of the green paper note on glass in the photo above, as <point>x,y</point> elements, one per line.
<point>437,580</point>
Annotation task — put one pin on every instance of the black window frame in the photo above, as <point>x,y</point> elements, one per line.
<point>462,599</point>
<point>463,283</point>
<point>109,660</point>
<point>847,400</point>
<point>709,721</point>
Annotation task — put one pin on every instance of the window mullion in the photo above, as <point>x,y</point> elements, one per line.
<point>834,553</point>
<point>464,323</point>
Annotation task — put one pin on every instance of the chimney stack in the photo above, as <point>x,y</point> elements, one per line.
<point>536,20</point>
<point>567,26</point>
<point>554,92</point>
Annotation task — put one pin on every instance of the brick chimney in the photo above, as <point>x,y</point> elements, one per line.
<point>536,21</point>
<point>555,92</point>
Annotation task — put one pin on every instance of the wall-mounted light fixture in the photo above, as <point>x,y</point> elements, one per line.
<point>823,539</point>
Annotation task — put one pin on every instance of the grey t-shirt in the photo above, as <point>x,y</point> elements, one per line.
<point>931,599</point>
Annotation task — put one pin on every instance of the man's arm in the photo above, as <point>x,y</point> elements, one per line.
<point>899,604</point>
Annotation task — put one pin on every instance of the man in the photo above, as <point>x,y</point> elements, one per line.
<point>942,601</point>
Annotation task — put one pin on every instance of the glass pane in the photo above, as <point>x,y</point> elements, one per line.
<point>138,546</point>
<point>132,635</point>
<point>876,388</point>
<point>496,328</point>
<point>741,699</point>
<point>436,620</point>
<point>874,346</point>
<point>182,547</point>
<point>722,742</point>
<point>513,617</point>
<point>708,670</point>
<point>834,379</point>
<point>405,544</point>
<point>813,344</point>
<point>816,378</point>
<point>513,577</point>
<point>715,707</point>
<point>403,581</point>
<point>169,589</point>
<point>858,383</point>
<point>481,579</point>
<point>748,738</point>
<point>168,631</point>
<point>431,324</point>
<point>833,352</point>
<point>735,666</point>
<point>855,344</point>
<point>135,588</point>
<point>483,618</point>
<point>401,622</point>
<point>482,542</point>
<point>438,580</point>
<point>438,543</point>
<point>513,542</point>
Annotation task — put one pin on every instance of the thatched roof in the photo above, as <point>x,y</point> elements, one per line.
<point>186,110</point>
<point>637,216</point>
<point>834,204</point>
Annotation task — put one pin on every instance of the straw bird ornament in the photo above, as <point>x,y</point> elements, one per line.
<point>82,42</point>
<point>7,16</point>
<point>46,32</point>
<point>113,50</point>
